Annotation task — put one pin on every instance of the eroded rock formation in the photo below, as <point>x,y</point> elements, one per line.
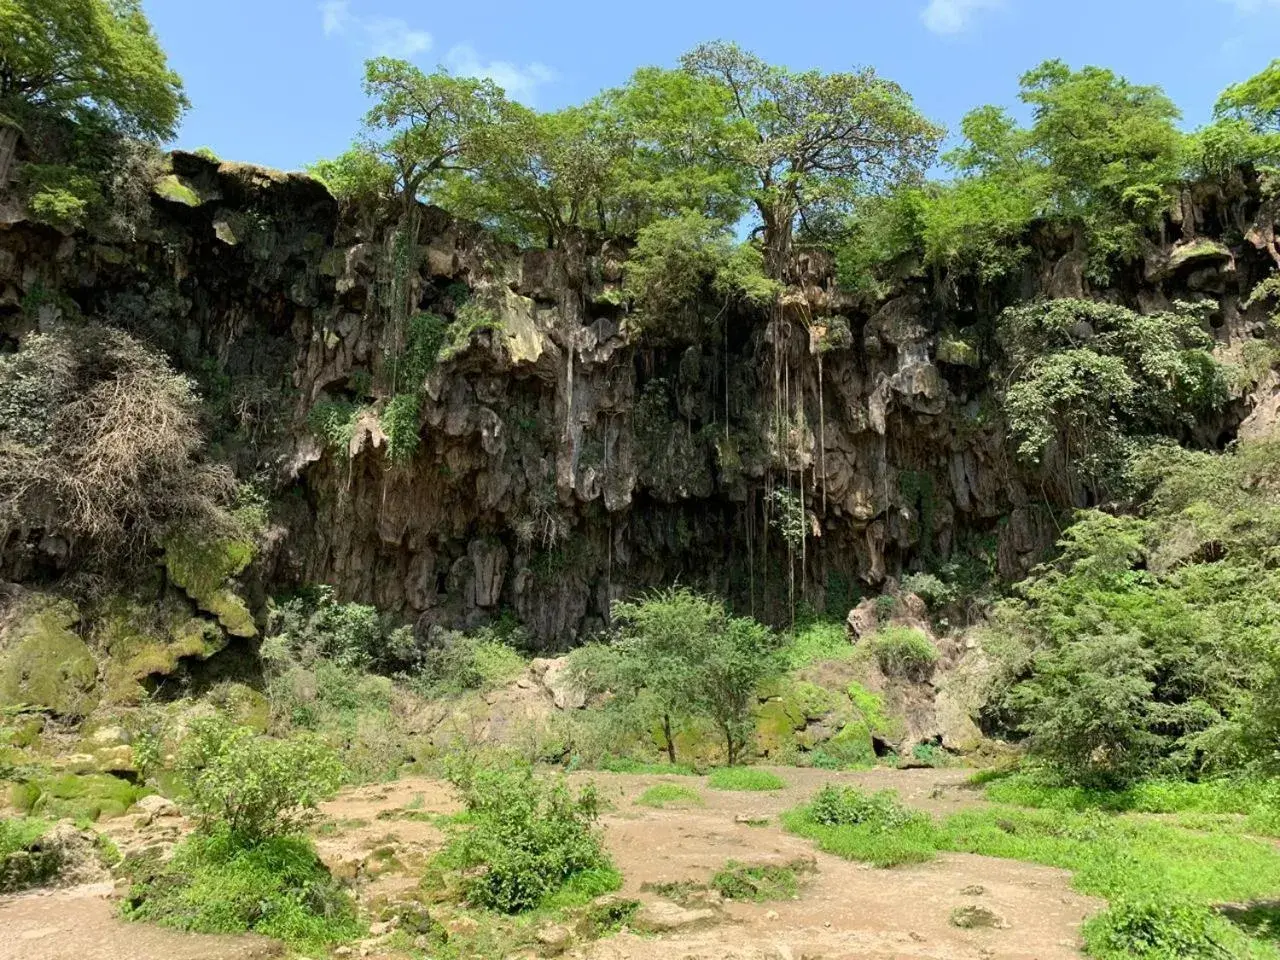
<point>564,460</point>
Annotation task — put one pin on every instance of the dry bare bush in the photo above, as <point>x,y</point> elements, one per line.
<point>100,443</point>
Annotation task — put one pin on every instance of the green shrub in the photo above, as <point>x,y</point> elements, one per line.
<point>526,842</point>
<point>744,778</point>
<point>930,589</point>
<point>664,795</point>
<point>313,625</point>
<point>252,787</point>
<point>873,828</point>
<point>215,884</point>
<point>834,806</point>
<point>1150,930</point>
<point>739,881</point>
<point>903,652</point>
<point>401,422</point>
<point>456,662</point>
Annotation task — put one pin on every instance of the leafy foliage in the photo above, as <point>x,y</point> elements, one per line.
<point>314,625</point>
<point>215,884</point>
<point>1150,645</point>
<point>678,260</point>
<point>903,652</point>
<point>1088,380</point>
<point>695,660</point>
<point>526,839</point>
<point>1151,930</point>
<point>88,59</point>
<point>250,787</point>
<point>456,662</point>
<point>1101,154</point>
<point>810,143</point>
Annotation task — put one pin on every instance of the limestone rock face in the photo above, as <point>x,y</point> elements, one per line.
<point>563,458</point>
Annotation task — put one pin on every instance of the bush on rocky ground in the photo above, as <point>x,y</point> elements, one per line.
<point>527,841</point>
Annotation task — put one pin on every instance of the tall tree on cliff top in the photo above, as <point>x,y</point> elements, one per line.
<point>816,141</point>
<point>423,126</point>
<point>76,58</point>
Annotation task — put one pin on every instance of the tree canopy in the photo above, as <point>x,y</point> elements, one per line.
<point>73,58</point>
<point>810,143</point>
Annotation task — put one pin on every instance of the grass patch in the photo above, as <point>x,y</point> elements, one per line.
<point>1163,881</point>
<point>816,641</point>
<point>740,881</point>
<point>19,866</point>
<point>903,652</point>
<point>873,828</point>
<point>1151,796</point>
<point>1118,856</point>
<point>213,884</point>
<point>669,795</point>
<point>744,778</point>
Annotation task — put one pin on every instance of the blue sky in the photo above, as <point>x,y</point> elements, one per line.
<point>277,82</point>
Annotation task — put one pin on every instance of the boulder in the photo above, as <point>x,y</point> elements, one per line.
<point>663,916</point>
<point>154,805</point>
<point>555,679</point>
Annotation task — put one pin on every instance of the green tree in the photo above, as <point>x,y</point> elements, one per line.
<point>677,260</point>
<point>809,143</point>
<point>696,660</point>
<point>678,127</point>
<point>1111,149</point>
<point>732,662</point>
<point>537,177</point>
<point>422,127</point>
<point>1245,130</point>
<point>71,58</point>
<point>1087,379</point>
<point>655,652</point>
<point>1256,100</point>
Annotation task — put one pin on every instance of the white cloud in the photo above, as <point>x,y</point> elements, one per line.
<point>335,15</point>
<point>953,16</point>
<point>381,36</point>
<point>520,83</point>
<point>391,37</point>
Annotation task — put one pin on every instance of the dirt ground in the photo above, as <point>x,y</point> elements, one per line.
<point>382,836</point>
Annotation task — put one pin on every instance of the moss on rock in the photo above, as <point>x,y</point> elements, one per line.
<point>202,569</point>
<point>174,189</point>
<point>139,643</point>
<point>46,665</point>
<point>76,796</point>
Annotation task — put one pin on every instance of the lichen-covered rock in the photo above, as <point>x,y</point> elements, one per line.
<point>44,663</point>
<point>202,568</point>
<point>63,854</point>
<point>140,643</point>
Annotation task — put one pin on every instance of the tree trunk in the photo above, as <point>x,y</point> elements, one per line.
<point>671,740</point>
<point>9,136</point>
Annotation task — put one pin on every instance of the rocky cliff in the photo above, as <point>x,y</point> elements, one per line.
<point>563,459</point>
